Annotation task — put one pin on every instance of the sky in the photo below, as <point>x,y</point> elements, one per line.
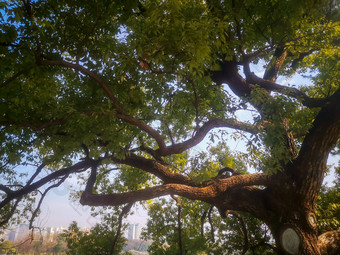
<point>58,210</point>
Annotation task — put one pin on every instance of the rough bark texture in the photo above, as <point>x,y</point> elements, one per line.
<point>329,243</point>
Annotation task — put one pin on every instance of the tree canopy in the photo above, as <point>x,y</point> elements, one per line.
<point>120,93</point>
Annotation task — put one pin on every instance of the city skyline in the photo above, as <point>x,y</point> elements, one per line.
<point>21,232</point>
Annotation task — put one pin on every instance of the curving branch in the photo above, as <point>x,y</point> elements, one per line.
<point>161,170</point>
<point>124,211</point>
<point>35,212</point>
<point>80,166</point>
<point>120,113</point>
<point>212,229</point>
<point>5,189</point>
<point>15,76</point>
<point>209,193</point>
<point>289,91</point>
<point>203,217</point>
<point>243,229</point>
<point>201,133</point>
<point>11,212</point>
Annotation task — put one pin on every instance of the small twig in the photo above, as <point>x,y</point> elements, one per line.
<point>15,76</point>
<point>204,215</point>
<point>34,214</point>
<point>212,230</point>
<point>179,223</point>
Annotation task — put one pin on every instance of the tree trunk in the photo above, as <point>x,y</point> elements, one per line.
<point>296,235</point>
<point>293,241</point>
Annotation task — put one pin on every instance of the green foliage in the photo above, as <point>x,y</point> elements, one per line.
<point>202,232</point>
<point>328,206</point>
<point>99,240</point>
<point>6,247</point>
<point>205,165</point>
<point>178,39</point>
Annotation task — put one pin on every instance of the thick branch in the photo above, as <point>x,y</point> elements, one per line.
<point>154,167</point>
<point>229,74</point>
<point>208,194</point>
<point>5,189</point>
<point>275,64</point>
<point>308,168</point>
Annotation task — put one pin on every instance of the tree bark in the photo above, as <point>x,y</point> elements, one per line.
<point>329,243</point>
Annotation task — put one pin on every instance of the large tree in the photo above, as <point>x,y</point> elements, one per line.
<point>116,92</point>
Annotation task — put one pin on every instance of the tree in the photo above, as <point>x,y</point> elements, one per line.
<point>182,226</point>
<point>114,92</point>
<point>200,230</point>
<point>101,239</point>
<point>328,206</point>
<point>6,247</point>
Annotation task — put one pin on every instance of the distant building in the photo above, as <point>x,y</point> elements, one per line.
<point>134,231</point>
<point>19,233</point>
<point>11,236</point>
<point>59,230</point>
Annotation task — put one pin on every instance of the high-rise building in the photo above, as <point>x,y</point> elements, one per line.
<point>20,233</point>
<point>11,236</point>
<point>134,231</point>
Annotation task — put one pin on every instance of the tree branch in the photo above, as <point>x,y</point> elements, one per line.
<point>5,189</point>
<point>154,167</point>
<point>124,211</point>
<point>35,213</point>
<point>83,165</point>
<point>244,230</point>
<point>204,215</point>
<point>15,76</point>
<point>292,92</point>
<point>201,133</point>
<point>308,168</point>
<point>212,230</point>
<point>208,193</point>
<point>275,64</point>
<point>37,171</point>
<point>11,212</point>
<point>120,113</point>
